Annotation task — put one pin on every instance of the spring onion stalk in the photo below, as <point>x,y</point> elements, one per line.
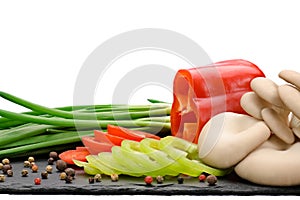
<point>24,148</point>
<point>78,115</point>
<point>43,128</point>
<point>79,123</point>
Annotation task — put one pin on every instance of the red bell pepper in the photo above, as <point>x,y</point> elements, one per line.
<point>74,154</point>
<point>202,92</point>
<point>129,134</point>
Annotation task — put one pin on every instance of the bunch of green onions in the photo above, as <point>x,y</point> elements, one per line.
<point>45,129</point>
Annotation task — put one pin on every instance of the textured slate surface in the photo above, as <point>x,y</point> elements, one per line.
<point>229,185</point>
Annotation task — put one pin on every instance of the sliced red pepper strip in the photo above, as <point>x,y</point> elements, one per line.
<point>82,148</point>
<point>202,92</point>
<point>78,154</point>
<point>94,146</point>
<point>129,134</point>
<point>107,138</point>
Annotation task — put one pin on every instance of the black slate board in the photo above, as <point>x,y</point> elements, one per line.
<point>228,185</point>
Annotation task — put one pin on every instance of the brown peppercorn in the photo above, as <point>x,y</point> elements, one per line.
<point>10,173</point>
<point>31,159</point>
<point>70,172</point>
<point>114,177</point>
<point>5,161</point>
<point>49,169</point>
<point>1,166</point>
<point>5,168</point>
<point>211,180</point>
<point>2,178</point>
<point>63,176</point>
<point>34,168</point>
<point>61,165</point>
<point>26,163</point>
<point>24,172</point>
<point>53,155</point>
<point>98,177</point>
<point>44,175</point>
<point>50,161</point>
<point>91,180</point>
<point>69,179</point>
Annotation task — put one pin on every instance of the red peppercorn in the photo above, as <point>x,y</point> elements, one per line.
<point>148,180</point>
<point>202,178</point>
<point>37,181</point>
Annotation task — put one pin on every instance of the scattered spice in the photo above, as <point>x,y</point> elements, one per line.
<point>2,178</point>
<point>114,177</point>
<point>202,178</point>
<point>37,181</point>
<point>1,166</point>
<point>44,175</point>
<point>98,177</point>
<point>91,180</point>
<point>31,159</point>
<point>5,168</point>
<point>148,180</point>
<point>26,163</point>
<point>34,168</point>
<point>159,179</point>
<point>69,179</point>
<point>50,161</point>
<point>180,180</point>
<point>61,165</point>
<point>211,180</point>
<point>24,172</point>
<point>53,155</point>
<point>31,164</point>
<point>70,172</point>
<point>5,161</point>
<point>63,176</point>
<point>49,169</point>
<point>10,173</point>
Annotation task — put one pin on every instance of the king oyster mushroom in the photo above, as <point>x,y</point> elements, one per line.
<point>274,163</point>
<point>229,137</point>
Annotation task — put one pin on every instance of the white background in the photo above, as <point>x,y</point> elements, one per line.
<point>43,44</point>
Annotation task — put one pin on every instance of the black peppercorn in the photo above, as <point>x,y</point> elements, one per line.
<point>50,161</point>
<point>69,179</point>
<point>44,175</point>
<point>91,180</point>
<point>61,165</point>
<point>180,180</point>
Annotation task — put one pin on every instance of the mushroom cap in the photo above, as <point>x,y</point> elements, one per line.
<point>253,104</point>
<point>274,163</point>
<point>290,76</point>
<point>291,98</point>
<point>267,90</point>
<point>277,125</point>
<point>228,137</point>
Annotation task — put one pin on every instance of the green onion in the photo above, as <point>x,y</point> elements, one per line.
<point>43,128</point>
